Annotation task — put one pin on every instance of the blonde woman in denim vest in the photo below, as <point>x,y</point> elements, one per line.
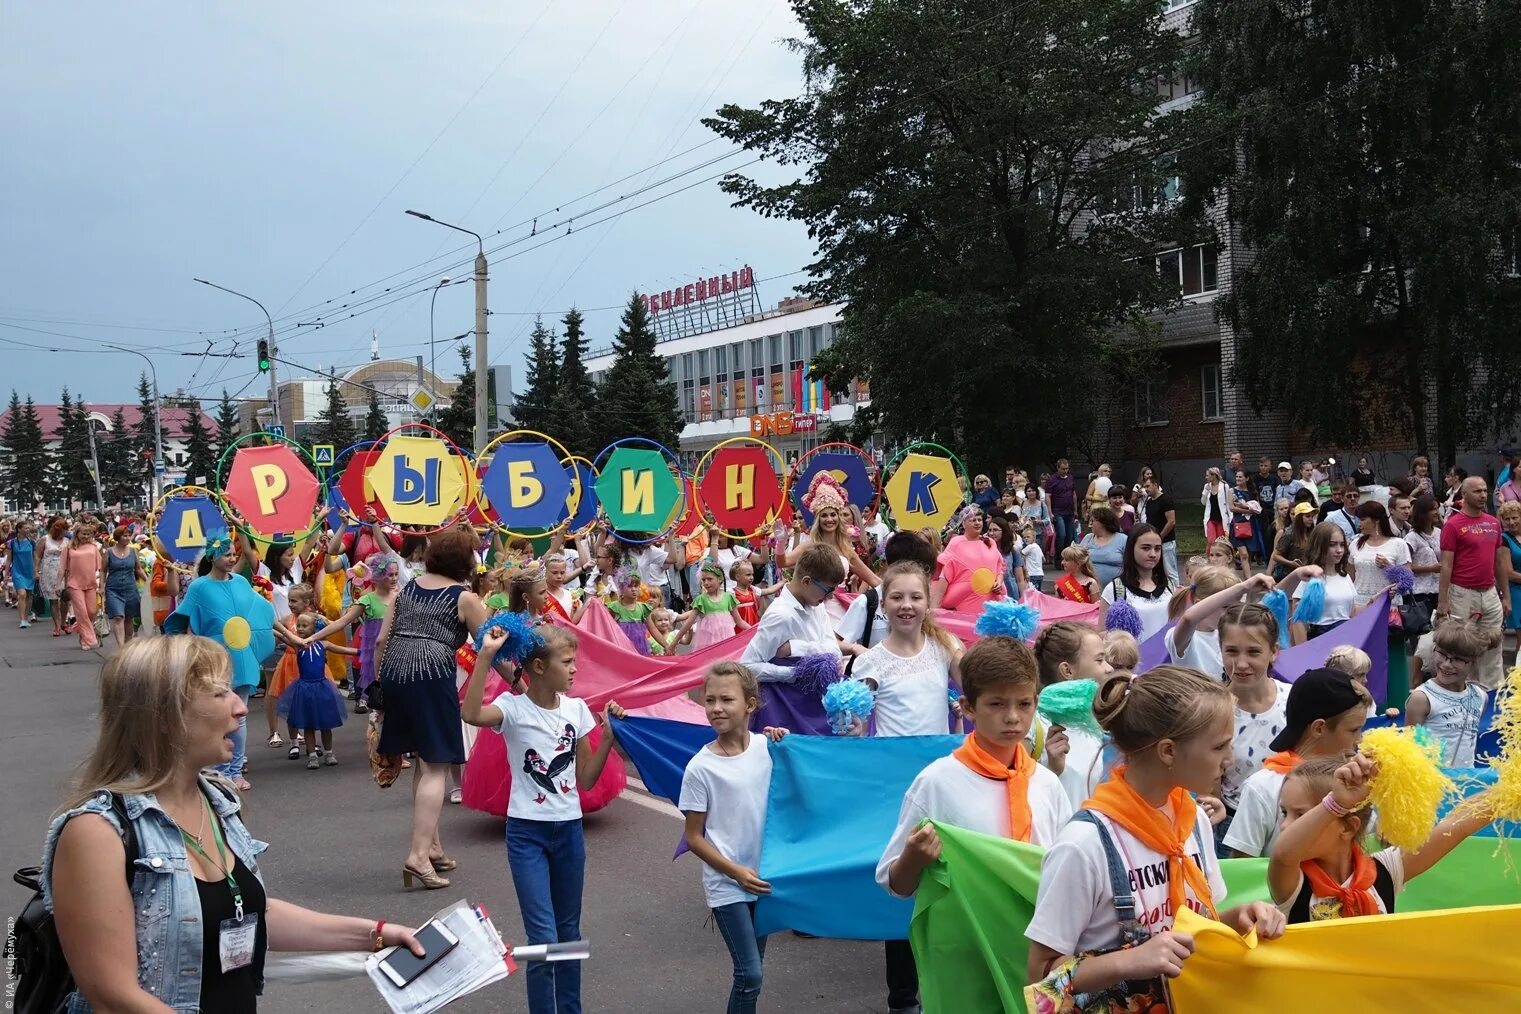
<point>189,929</point>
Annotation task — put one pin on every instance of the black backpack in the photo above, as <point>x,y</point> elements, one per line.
<point>40,972</point>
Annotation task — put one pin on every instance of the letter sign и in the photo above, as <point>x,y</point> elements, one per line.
<point>638,491</point>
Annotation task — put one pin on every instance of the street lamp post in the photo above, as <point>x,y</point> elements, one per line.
<point>156,487</point>
<point>482,432</point>
<point>274,387</point>
<point>100,496</point>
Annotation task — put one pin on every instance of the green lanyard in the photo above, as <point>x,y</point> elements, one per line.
<point>224,867</point>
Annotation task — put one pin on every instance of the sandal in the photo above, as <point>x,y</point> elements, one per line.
<point>443,864</point>
<point>431,880</point>
<point>456,796</point>
<point>275,740</point>
<point>242,784</point>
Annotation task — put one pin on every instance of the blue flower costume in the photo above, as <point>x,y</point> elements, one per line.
<point>231,613</point>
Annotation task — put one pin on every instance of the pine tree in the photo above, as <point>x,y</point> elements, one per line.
<point>375,421</point>
<point>200,455</point>
<point>12,454</point>
<point>227,424</point>
<point>333,423</point>
<point>71,460</point>
<point>144,431</point>
<point>637,397</point>
<point>535,409</point>
<point>458,420</point>
<point>118,472</point>
<point>575,395</point>
<point>33,461</point>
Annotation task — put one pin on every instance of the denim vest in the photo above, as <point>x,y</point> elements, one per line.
<point>170,936</point>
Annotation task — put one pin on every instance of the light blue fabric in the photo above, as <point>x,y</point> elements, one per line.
<point>833,806</point>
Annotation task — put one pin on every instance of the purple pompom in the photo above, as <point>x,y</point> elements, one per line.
<point>1402,577</point>
<point>814,673</point>
<point>1123,616</point>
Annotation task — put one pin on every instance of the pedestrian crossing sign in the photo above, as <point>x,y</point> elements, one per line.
<point>322,455</point>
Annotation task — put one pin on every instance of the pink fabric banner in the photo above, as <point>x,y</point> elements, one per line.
<point>1052,610</point>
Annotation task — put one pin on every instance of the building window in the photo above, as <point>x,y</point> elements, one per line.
<point>1210,386</point>
<point>1510,253</point>
<point>795,345</point>
<point>1195,268</point>
<point>815,341</point>
<point>1151,401</point>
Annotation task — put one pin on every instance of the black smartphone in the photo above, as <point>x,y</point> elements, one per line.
<point>401,966</point>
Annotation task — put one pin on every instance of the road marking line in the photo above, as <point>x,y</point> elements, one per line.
<point>642,796</point>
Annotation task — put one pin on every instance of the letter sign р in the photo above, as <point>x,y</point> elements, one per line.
<point>418,480</point>
<point>637,490</point>
<point>526,485</point>
<point>272,490</point>
<point>922,492</point>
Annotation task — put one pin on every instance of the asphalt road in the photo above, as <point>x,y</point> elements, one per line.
<point>336,844</point>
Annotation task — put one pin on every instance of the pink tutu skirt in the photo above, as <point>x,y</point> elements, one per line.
<point>710,629</point>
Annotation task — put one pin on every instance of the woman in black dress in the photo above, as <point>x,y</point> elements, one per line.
<point>429,621</point>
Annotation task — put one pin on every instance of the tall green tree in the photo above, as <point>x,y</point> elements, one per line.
<point>71,459</point>
<point>958,168</point>
<point>24,462</point>
<point>458,419</point>
<point>375,421</point>
<point>534,409</point>
<point>575,401</point>
<point>1368,153</point>
<point>146,446</point>
<point>119,474</point>
<point>333,423</point>
<point>227,424</point>
<point>636,397</point>
<point>200,452</point>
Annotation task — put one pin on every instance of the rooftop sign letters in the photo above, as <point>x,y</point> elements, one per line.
<point>701,290</point>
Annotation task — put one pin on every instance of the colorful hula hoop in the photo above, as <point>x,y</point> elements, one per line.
<point>319,512</point>
<point>797,469</point>
<point>158,510</point>
<point>679,515</point>
<point>888,469</point>
<point>784,476</point>
<point>572,502</point>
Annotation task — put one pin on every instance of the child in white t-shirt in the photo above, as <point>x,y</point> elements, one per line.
<point>1194,640</point>
<point>723,795</point>
<point>551,763</point>
<point>1068,650</point>
<point>1035,560</point>
<point>1324,717</point>
<point>913,667</point>
<point>990,783</point>
<point>1449,703</point>
<point>1173,726</point>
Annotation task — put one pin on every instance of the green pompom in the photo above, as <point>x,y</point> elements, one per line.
<point>1070,704</point>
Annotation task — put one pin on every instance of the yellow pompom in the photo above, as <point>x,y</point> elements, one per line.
<point>1505,797</point>
<point>1409,786</point>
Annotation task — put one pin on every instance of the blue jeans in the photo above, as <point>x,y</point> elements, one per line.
<point>1066,532</point>
<point>234,768</point>
<point>1170,560</point>
<point>548,861</point>
<point>737,924</point>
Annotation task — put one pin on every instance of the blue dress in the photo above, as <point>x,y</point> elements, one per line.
<point>1513,621</point>
<point>419,698</point>
<point>231,613</point>
<point>313,701</point>
<point>122,599</point>
<point>24,564</point>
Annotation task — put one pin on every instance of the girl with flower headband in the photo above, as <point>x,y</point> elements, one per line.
<point>378,577</point>
<point>826,499</point>
<point>714,612</point>
<point>635,616</point>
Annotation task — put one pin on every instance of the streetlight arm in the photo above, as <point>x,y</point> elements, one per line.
<point>457,228</point>
<point>158,422</point>
<point>241,295</point>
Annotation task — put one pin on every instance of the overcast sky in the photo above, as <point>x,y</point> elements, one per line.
<point>272,147</point>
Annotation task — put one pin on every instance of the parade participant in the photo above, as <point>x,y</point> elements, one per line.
<point>281,567</point>
<point>1078,583</point>
<point>1449,702</point>
<point>1327,550</point>
<point>1474,582</point>
<point>546,732</point>
<point>415,660</point>
<point>82,570</point>
<point>865,622</point>
<point>1318,869</point>
<point>1224,553</point>
<point>558,598</point>
<point>742,577</point>
<point>1373,550</point>
<point>1034,559</point>
<point>1143,580</point>
<point>1105,544</point>
<point>715,613</point>
<point>121,569</point>
<point>1292,547</point>
<point>24,571</point>
<point>723,797</point>
<point>912,669</point>
<point>1194,640</point>
<point>1068,650</point>
<point>381,577</point>
<point>50,571</point>
<point>166,714</point>
<point>313,703</point>
<point>163,586</point>
<point>826,498</point>
<point>288,669</point>
<point>1122,651</point>
<point>1323,717</point>
<point>971,567</point>
<point>989,784</point>
<point>634,616</point>
<point>1173,727</point>
<point>796,624</point>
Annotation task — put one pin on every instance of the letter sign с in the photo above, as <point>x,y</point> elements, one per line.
<point>272,490</point>
<point>637,490</point>
<point>526,485</point>
<point>740,490</point>
<point>418,480</point>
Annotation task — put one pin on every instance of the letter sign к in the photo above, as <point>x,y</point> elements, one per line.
<point>921,498</point>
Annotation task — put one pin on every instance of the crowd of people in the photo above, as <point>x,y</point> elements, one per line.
<point>431,637</point>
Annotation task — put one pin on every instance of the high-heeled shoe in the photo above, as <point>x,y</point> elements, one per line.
<point>431,880</point>
<point>443,864</point>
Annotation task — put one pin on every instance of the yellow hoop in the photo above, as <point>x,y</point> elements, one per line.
<point>572,502</point>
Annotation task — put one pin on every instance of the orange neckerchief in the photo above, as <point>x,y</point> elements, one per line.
<point>1115,799</point>
<point>1283,761</point>
<point>1015,776</point>
<point>1073,590</point>
<point>1356,898</point>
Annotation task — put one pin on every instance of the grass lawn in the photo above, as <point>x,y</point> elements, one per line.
<point>1190,531</point>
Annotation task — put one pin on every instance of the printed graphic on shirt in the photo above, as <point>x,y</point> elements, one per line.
<point>549,775</point>
<point>1152,877</point>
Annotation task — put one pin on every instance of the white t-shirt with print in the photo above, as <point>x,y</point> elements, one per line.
<point>949,791</point>
<point>912,693</point>
<point>1258,817</point>
<point>1391,859</point>
<point>1251,745</point>
<point>732,792</point>
<point>1203,652</point>
<point>1074,907</point>
<point>541,754</point>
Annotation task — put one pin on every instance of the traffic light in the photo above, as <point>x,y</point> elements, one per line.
<point>263,355</point>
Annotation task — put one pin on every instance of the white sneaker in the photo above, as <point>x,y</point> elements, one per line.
<point>330,759</point>
<point>313,762</point>
<point>23,624</point>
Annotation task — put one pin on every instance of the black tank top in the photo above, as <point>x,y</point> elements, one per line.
<point>234,992</point>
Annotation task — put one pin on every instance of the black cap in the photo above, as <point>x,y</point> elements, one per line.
<point>1318,693</point>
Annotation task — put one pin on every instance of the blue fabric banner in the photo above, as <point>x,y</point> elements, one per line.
<point>660,750</point>
<point>833,806</point>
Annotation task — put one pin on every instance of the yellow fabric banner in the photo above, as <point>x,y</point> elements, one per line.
<point>1453,959</point>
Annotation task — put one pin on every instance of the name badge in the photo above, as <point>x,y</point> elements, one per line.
<point>237,941</point>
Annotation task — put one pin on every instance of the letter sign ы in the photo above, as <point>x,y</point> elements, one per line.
<point>527,485</point>
<point>272,490</point>
<point>183,525</point>
<point>637,490</point>
<point>418,481</point>
<point>923,492</point>
<point>740,490</point>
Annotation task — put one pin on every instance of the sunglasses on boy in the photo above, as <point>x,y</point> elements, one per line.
<point>825,590</point>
